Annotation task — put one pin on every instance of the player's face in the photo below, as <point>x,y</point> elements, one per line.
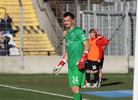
<point>92,34</point>
<point>6,17</point>
<point>68,22</point>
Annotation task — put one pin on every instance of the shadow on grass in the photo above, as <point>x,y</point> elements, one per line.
<point>103,79</point>
<point>114,83</point>
<point>108,84</point>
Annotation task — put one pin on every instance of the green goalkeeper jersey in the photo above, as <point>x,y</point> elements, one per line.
<point>74,45</point>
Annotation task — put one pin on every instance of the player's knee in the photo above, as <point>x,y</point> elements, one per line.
<point>95,71</point>
<point>88,71</point>
<point>100,70</point>
<point>75,89</point>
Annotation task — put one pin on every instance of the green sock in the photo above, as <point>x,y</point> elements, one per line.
<point>77,96</point>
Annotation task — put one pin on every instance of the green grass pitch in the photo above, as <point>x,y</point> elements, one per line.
<point>50,83</point>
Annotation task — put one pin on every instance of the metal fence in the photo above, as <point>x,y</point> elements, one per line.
<point>43,36</point>
<point>108,29</point>
<point>114,20</point>
<point>115,23</point>
<point>60,9</point>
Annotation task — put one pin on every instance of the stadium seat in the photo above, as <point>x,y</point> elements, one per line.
<point>35,40</point>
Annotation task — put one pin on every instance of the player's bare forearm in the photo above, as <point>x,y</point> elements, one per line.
<point>65,56</point>
<point>81,62</point>
<point>87,46</point>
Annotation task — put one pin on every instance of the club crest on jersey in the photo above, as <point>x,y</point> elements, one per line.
<point>72,33</point>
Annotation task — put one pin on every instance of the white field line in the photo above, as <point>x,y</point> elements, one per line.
<point>38,91</point>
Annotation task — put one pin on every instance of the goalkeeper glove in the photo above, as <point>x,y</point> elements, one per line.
<point>58,68</point>
<point>81,62</point>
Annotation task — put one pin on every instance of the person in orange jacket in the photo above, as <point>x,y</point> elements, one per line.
<point>103,42</point>
<point>94,57</point>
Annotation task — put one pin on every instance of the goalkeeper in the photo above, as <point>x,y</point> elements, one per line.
<point>75,55</point>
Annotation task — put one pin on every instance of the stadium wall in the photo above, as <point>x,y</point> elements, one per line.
<point>45,64</point>
<point>49,23</point>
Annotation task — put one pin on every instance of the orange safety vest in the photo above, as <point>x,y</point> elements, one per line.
<point>94,50</point>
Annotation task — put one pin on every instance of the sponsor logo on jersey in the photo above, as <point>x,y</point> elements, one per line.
<point>69,43</point>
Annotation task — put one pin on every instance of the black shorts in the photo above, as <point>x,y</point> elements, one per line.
<point>100,65</point>
<point>91,65</point>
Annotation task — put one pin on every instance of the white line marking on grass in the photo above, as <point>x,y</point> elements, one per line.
<point>38,91</point>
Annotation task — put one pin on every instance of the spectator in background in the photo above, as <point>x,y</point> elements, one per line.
<point>0,19</point>
<point>5,25</point>
<point>103,42</point>
<point>0,24</point>
<point>94,57</point>
<point>1,41</point>
<point>5,28</point>
<point>2,47</point>
<point>1,36</point>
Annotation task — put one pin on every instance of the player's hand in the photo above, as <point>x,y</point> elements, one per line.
<point>99,61</point>
<point>58,68</point>
<point>81,62</point>
<point>99,37</point>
